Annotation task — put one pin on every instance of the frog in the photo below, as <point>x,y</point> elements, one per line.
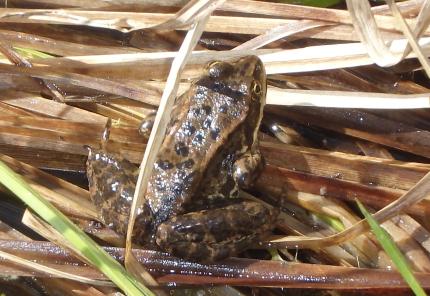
<point>209,153</point>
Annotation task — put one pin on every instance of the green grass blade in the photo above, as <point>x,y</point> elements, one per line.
<point>29,53</point>
<point>333,222</point>
<point>393,251</point>
<point>94,254</point>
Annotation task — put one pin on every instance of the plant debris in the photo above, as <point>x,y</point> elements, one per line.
<point>347,117</point>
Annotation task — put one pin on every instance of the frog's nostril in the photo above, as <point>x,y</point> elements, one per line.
<point>256,88</point>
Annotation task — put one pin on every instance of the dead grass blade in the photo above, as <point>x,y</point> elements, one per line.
<point>46,270</point>
<point>366,27</point>
<point>126,21</point>
<point>19,61</point>
<point>345,99</point>
<point>419,192</point>
<point>412,36</point>
<point>58,47</point>
<point>310,58</point>
<point>346,254</point>
<point>393,175</point>
<point>104,85</point>
<point>51,283</point>
<point>189,14</point>
<point>291,11</point>
<point>160,124</point>
<point>50,233</point>
<point>279,33</point>
<point>68,197</point>
<point>418,232</point>
<point>44,107</point>
<point>422,21</point>
<point>235,271</point>
<point>416,256</point>
<point>423,18</point>
<point>363,125</point>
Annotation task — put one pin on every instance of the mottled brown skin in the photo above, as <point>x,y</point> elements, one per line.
<point>210,150</point>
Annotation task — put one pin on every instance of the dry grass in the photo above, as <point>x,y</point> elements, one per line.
<point>123,61</point>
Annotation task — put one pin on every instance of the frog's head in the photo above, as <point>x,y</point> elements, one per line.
<point>244,77</point>
<point>244,80</point>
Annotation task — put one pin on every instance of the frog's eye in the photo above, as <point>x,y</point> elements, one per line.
<point>214,68</point>
<point>256,88</point>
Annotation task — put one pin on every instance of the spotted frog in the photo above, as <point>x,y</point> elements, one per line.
<point>209,152</point>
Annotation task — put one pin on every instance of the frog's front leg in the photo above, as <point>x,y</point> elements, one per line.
<point>247,168</point>
<point>211,235</point>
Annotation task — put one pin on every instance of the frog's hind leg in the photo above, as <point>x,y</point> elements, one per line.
<point>211,235</point>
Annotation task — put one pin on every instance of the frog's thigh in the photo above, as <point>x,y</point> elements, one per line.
<point>245,168</point>
<point>211,235</point>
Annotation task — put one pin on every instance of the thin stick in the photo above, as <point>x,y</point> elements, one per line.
<point>51,271</point>
<point>160,125</point>
<point>188,14</point>
<point>127,21</point>
<point>279,33</point>
<point>345,99</point>
<point>417,193</point>
<point>411,38</point>
<point>311,58</point>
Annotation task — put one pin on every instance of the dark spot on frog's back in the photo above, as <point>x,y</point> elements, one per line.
<point>164,164</point>
<point>223,108</point>
<point>207,123</point>
<point>182,183</point>
<point>199,137</point>
<point>215,133</point>
<point>218,86</point>
<point>188,129</point>
<point>207,109</point>
<point>177,190</point>
<point>196,112</point>
<point>181,149</point>
<point>187,164</point>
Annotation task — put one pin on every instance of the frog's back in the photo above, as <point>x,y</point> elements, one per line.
<point>195,137</point>
<point>200,133</point>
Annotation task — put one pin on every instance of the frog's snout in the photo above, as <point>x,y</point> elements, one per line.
<point>89,149</point>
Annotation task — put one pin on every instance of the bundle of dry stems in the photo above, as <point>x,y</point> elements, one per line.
<point>346,118</point>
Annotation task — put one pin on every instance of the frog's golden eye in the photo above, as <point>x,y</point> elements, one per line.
<point>256,88</point>
<point>214,68</point>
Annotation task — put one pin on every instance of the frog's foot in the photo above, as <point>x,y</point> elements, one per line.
<point>246,169</point>
<point>215,234</point>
